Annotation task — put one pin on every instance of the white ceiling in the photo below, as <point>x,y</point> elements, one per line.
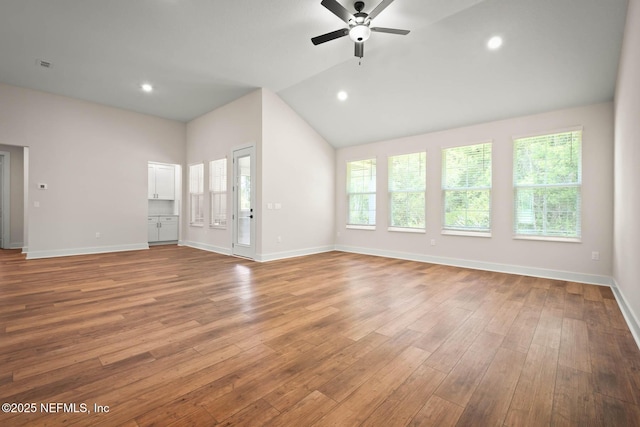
<point>202,54</point>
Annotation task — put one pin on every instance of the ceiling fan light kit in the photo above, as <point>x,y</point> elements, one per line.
<point>359,33</point>
<point>359,29</point>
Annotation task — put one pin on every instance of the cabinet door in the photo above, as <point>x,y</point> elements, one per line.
<point>168,228</point>
<point>151,189</point>
<point>152,229</point>
<point>165,182</point>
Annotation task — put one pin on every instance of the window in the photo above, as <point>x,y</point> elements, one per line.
<point>361,193</point>
<point>547,185</point>
<point>218,193</point>
<point>466,188</point>
<point>407,182</point>
<point>196,194</point>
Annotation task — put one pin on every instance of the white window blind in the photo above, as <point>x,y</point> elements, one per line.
<point>218,193</point>
<point>361,192</point>
<point>196,194</point>
<point>407,183</point>
<point>466,188</point>
<point>547,185</point>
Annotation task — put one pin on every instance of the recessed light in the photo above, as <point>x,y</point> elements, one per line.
<point>494,42</point>
<point>146,87</point>
<point>342,95</point>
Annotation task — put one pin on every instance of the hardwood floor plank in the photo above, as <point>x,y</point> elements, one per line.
<point>328,368</point>
<point>359,405</point>
<point>354,376</point>
<point>491,399</point>
<point>532,401</point>
<point>574,399</point>
<point>574,306</point>
<point>445,357</point>
<point>400,407</point>
<point>504,318</point>
<point>609,371</point>
<point>437,412</point>
<point>549,329</point>
<point>257,414</point>
<point>523,329</point>
<point>307,411</point>
<point>464,378</point>
<point>574,345</point>
<point>199,417</point>
<point>611,411</point>
<point>616,319</point>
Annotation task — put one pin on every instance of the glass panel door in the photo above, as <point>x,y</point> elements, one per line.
<point>244,201</point>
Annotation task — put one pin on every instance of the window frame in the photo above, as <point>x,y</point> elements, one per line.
<point>371,194</point>
<point>193,220</point>
<point>466,231</point>
<point>570,238</point>
<point>215,194</point>
<point>391,191</point>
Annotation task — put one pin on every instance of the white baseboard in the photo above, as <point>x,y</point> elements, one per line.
<point>488,266</point>
<point>16,245</point>
<point>85,251</point>
<point>274,256</point>
<point>205,247</point>
<point>627,312</point>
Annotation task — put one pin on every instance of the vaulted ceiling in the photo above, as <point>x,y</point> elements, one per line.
<point>202,54</point>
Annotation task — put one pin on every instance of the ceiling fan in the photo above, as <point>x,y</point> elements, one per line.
<point>359,23</point>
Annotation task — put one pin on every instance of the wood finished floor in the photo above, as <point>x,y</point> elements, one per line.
<point>178,336</point>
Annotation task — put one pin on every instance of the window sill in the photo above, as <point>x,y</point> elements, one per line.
<point>218,227</point>
<point>549,239</point>
<point>361,227</point>
<point>466,233</point>
<point>407,230</point>
<point>196,225</point>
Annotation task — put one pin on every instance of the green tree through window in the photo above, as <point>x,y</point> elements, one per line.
<point>407,181</point>
<point>466,187</point>
<point>361,192</point>
<point>547,185</point>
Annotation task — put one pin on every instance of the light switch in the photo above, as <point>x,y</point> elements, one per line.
<point>278,206</point>
<point>269,205</point>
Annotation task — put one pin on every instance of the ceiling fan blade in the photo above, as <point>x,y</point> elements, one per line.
<point>359,49</point>
<point>390,30</point>
<point>379,8</point>
<point>338,10</point>
<point>330,36</point>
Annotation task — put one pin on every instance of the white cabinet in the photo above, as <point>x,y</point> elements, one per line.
<point>162,182</point>
<point>162,228</point>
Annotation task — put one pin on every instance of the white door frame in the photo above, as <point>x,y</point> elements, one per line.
<point>239,217</point>
<point>5,200</point>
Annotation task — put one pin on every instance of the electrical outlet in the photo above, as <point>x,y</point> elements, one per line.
<point>595,256</point>
<point>98,235</point>
<point>433,242</point>
<point>279,239</point>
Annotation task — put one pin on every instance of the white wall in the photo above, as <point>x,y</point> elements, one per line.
<point>94,160</point>
<point>298,173</point>
<point>213,136</point>
<point>295,167</point>
<point>571,261</point>
<point>626,260</point>
<point>16,213</point>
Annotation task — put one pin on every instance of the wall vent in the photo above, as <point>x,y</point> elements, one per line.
<point>44,64</point>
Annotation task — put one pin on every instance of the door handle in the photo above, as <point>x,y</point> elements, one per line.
<point>250,216</point>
